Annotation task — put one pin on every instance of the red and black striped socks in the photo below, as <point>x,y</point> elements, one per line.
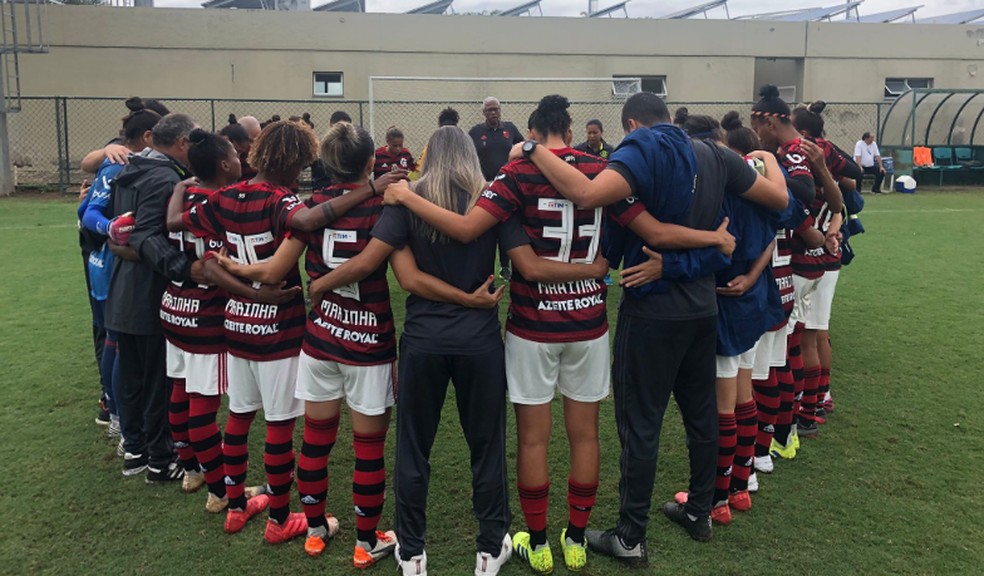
<point>177,417</point>
<point>278,460</point>
<point>767,402</point>
<point>811,384</point>
<point>787,394</point>
<point>368,483</point>
<point>312,469</point>
<point>580,501</point>
<point>727,441</point>
<point>534,502</point>
<point>235,454</point>
<point>206,440</point>
<point>746,417</point>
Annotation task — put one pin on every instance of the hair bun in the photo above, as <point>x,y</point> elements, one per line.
<point>134,104</point>
<point>769,92</point>
<point>198,136</point>
<point>818,107</point>
<point>731,121</point>
<point>233,119</point>
<point>306,116</point>
<point>681,115</point>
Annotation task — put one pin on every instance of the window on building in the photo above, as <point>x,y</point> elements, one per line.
<point>654,84</point>
<point>895,87</point>
<point>328,84</point>
<point>787,93</point>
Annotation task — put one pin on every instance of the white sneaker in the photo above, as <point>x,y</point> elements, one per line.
<point>753,483</point>
<point>415,566</point>
<point>764,464</point>
<point>486,565</point>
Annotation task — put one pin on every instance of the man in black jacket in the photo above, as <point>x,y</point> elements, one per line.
<point>133,307</point>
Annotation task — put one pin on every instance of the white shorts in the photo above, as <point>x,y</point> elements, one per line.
<point>268,385</point>
<point>581,370</point>
<point>818,318</point>
<point>728,366</point>
<point>770,353</point>
<point>804,290</point>
<point>204,374</point>
<point>367,389</point>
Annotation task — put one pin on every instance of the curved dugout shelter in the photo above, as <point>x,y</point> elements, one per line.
<point>950,123</point>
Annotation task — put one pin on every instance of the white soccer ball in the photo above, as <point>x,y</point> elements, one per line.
<point>905,184</point>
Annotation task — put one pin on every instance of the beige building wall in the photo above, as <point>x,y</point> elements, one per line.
<point>272,55</point>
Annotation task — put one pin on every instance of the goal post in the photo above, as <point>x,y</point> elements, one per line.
<point>413,103</point>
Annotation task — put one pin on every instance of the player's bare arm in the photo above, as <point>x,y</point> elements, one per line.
<point>309,219</point>
<point>741,283</point>
<point>607,187</point>
<point>175,206</point>
<point>649,271</point>
<point>117,153</point>
<point>674,237</point>
<point>270,271</point>
<point>831,191</point>
<point>769,190</point>
<point>216,275</point>
<point>353,270</point>
<point>537,269</point>
<point>463,228</point>
<point>421,284</point>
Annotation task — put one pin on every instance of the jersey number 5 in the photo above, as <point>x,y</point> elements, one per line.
<point>331,239</point>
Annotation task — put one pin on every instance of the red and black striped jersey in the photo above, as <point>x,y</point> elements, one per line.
<point>386,162</point>
<point>558,230</point>
<point>836,164</point>
<point>253,220</point>
<point>792,157</point>
<point>192,316</point>
<point>782,269</point>
<point>354,324</point>
<point>813,262</point>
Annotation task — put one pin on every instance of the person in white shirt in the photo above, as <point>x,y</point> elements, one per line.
<point>868,157</point>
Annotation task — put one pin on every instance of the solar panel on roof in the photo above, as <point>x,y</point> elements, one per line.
<point>439,7</point>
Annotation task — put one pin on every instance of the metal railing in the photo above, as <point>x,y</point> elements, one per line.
<point>50,135</point>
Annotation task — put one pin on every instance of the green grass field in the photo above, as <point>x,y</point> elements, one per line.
<point>892,486</point>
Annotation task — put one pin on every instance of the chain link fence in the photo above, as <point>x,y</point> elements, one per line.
<point>50,136</point>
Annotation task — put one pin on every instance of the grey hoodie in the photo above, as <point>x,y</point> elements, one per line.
<point>144,188</point>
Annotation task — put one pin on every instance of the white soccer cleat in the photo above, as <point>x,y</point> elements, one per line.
<point>486,565</point>
<point>415,566</point>
<point>764,464</point>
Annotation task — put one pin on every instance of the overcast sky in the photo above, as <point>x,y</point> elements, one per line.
<point>642,8</point>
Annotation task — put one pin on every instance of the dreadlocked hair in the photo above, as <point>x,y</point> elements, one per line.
<point>345,150</point>
<point>771,105</point>
<point>740,138</point>
<point>283,149</point>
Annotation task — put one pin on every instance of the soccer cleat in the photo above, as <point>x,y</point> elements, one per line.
<point>193,481</point>
<point>317,539</point>
<point>795,437</point>
<point>364,557</point>
<point>254,491</point>
<point>575,553</point>
<point>278,533</point>
<point>170,472</point>
<point>102,417</point>
<point>698,528</point>
<point>764,464</point>
<point>236,519</point>
<point>133,464</point>
<point>214,504</point>
<point>540,560</point>
<point>113,430</point>
<point>807,429</point>
<point>828,403</point>
<point>740,500</point>
<point>820,414</point>
<point>779,451</point>
<point>488,565</point>
<point>753,483</point>
<point>608,543</point>
<point>681,497</point>
<point>414,566</point>
<point>120,450</point>
<point>721,513</point>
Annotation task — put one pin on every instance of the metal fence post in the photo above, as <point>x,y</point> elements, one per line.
<point>878,120</point>
<point>212,106</point>
<point>361,121</point>
<point>61,127</point>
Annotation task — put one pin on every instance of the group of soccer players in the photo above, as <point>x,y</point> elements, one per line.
<point>728,241</point>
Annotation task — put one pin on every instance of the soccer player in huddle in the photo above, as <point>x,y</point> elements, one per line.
<point>349,349</point>
<point>393,156</point>
<point>664,340</point>
<point>847,174</point>
<point>263,339</point>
